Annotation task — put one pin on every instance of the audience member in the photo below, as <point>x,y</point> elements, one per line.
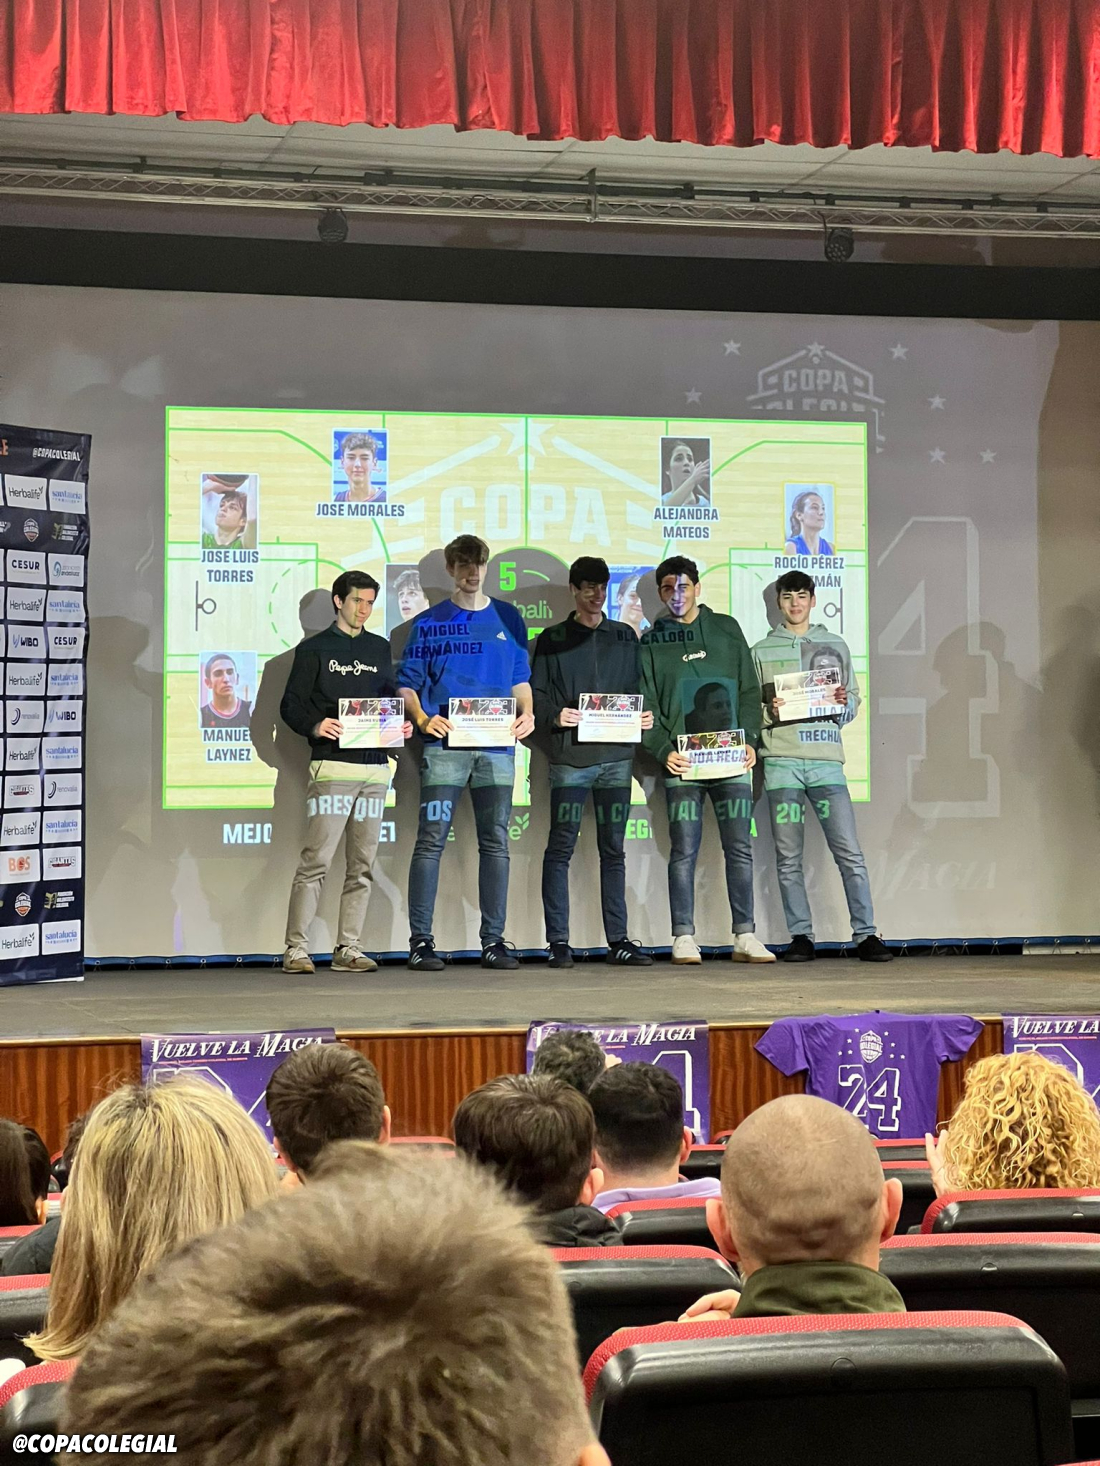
<point>321,1093</point>
<point>572,1055</point>
<point>408,1319</point>
<point>803,1211</point>
<point>1023,1122</point>
<point>537,1135</point>
<point>641,1137</point>
<point>157,1165</point>
<point>24,1175</point>
<point>34,1254</point>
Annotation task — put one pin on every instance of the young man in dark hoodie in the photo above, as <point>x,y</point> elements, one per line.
<point>696,664</point>
<point>538,1136</point>
<point>347,786</point>
<point>586,653</point>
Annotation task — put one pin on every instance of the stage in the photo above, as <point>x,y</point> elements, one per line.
<point>466,996</point>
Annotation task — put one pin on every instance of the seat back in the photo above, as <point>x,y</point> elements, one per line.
<point>664,1223</point>
<point>703,1160</point>
<point>1014,1211</point>
<point>9,1236</point>
<point>629,1287</point>
<point>835,1390</point>
<point>918,1193</point>
<point>901,1150</point>
<point>424,1140</point>
<point>1050,1280</point>
<point>30,1404</point>
<point>22,1307</point>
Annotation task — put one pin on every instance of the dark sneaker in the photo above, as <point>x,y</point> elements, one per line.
<point>871,949</point>
<point>628,953</point>
<point>499,954</point>
<point>801,949</point>
<point>561,954</point>
<point>422,956</point>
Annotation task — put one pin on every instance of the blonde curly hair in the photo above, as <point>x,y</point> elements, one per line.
<point>1023,1123</point>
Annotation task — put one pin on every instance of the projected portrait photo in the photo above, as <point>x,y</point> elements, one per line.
<point>227,683</point>
<point>228,513</point>
<point>809,528</point>
<point>685,471</point>
<point>359,469</point>
<point>630,594</point>
<point>708,706</point>
<point>405,595</point>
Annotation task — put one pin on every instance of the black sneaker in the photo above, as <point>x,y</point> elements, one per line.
<point>628,953</point>
<point>801,949</point>
<point>422,956</point>
<point>561,954</point>
<point>497,954</point>
<point>871,949</point>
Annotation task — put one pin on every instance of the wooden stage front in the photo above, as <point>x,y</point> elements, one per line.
<point>434,1037</point>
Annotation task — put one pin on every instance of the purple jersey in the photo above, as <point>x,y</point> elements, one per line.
<point>884,1067</point>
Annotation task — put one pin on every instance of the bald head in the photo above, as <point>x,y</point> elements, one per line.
<point>801,1181</point>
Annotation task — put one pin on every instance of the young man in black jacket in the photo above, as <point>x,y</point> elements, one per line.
<point>586,653</point>
<point>347,786</point>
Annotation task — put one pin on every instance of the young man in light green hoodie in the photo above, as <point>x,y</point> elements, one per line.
<point>804,764</point>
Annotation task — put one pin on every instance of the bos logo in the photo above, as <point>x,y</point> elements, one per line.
<point>19,865</point>
<point>22,903</point>
<point>30,530</point>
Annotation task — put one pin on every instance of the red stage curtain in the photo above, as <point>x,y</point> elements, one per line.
<point>977,74</point>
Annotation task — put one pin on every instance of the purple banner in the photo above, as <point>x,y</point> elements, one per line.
<point>681,1045</point>
<point>1071,1041</point>
<point>241,1063</point>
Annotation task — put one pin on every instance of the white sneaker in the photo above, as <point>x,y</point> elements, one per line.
<point>685,949</point>
<point>747,947</point>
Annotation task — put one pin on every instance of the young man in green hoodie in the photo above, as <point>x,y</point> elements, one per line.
<point>804,763</point>
<point>586,653</point>
<point>698,676</point>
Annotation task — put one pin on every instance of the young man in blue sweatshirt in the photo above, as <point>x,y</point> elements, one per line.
<point>586,653</point>
<point>468,646</point>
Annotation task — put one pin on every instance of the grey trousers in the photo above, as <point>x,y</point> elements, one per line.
<point>333,806</point>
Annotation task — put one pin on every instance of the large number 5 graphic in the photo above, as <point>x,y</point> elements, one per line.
<point>882,1099</point>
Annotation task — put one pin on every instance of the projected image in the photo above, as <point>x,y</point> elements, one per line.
<point>540,490</point>
<point>810,529</point>
<point>229,511</point>
<point>359,467</point>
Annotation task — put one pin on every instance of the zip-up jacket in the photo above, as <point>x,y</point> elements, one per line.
<point>327,667</point>
<point>783,651</point>
<point>571,658</point>
<point>698,677</point>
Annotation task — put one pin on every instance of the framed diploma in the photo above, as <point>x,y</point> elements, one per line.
<point>481,722</point>
<point>808,694</point>
<point>722,755</point>
<point>610,717</point>
<point>372,722</point>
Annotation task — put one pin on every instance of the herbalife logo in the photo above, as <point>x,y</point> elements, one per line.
<point>816,382</point>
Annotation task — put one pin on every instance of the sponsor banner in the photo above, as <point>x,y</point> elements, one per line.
<point>44,542</point>
<point>62,825</point>
<point>682,1046</point>
<point>65,605</point>
<point>1072,1041</point>
<point>66,569</point>
<point>25,568</point>
<point>24,717</point>
<point>25,604</point>
<point>65,641</point>
<point>62,863</point>
<point>22,866</point>
<point>20,828</point>
<point>240,1063</point>
<point>26,641</point>
<point>62,753</point>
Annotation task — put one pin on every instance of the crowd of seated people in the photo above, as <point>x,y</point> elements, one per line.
<point>421,1288</point>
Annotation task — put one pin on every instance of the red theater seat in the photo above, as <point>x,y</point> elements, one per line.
<point>664,1223</point>
<point>703,1160</point>
<point>9,1236</point>
<point>834,1390</point>
<point>628,1287</point>
<point>1014,1211</point>
<point>22,1308</point>
<point>901,1150</point>
<point>30,1403</point>
<point>918,1193</point>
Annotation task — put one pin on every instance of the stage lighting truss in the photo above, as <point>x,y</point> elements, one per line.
<point>579,201</point>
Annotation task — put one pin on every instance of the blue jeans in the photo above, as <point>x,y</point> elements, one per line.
<point>444,773</point>
<point>569,786</point>
<point>792,785</point>
<point>732,800</point>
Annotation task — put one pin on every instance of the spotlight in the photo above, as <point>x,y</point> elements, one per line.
<point>332,227</point>
<point>839,245</point>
